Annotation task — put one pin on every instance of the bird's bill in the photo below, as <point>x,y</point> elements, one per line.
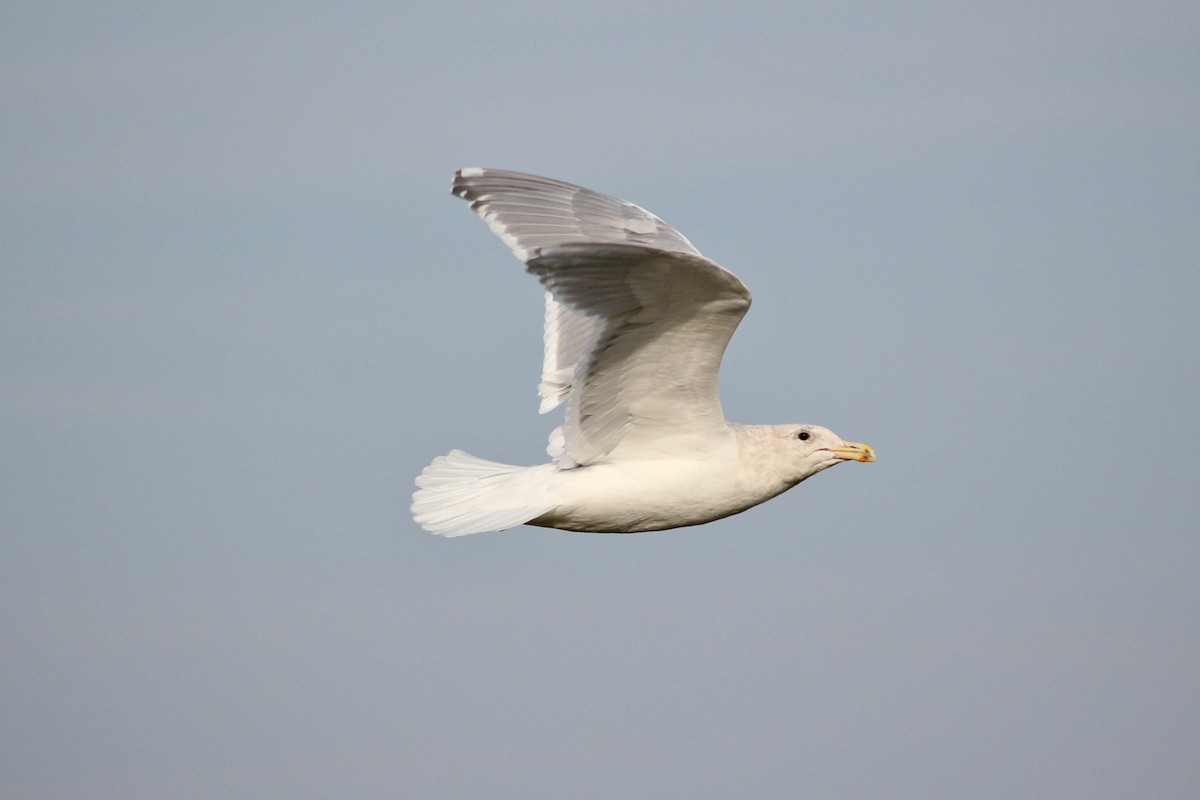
<point>853,451</point>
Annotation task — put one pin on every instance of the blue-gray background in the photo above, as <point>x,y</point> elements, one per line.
<point>240,311</point>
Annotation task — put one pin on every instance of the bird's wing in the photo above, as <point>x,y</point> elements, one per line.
<point>528,213</point>
<point>646,386</point>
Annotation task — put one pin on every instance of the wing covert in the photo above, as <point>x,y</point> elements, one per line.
<point>647,384</point>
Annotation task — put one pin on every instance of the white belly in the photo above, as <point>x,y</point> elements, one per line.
<point>651,495</point>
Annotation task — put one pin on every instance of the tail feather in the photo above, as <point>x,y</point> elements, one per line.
<point>460,493</point>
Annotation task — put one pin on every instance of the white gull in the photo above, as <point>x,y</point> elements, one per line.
<point>636,324</point>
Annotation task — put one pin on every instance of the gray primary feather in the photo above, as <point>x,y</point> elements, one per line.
<point>529,211</point>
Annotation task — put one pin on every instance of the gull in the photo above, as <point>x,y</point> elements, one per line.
<point>636,322</point>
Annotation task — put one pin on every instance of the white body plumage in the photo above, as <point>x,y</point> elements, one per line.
<point>636,324</point>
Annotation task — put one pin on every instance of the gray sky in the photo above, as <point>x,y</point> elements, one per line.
<point>240,311</point>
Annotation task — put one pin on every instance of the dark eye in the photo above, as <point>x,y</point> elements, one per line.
<point>803,436</point>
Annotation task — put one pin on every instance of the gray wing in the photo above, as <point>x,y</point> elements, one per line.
<point>647,385</point>
<point>529,212</point>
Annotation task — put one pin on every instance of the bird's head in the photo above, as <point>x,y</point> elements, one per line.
<point>812,448</point>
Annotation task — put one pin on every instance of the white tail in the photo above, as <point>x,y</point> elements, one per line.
<point>460,494</point>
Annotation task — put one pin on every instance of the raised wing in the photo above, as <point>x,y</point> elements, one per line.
<point>529,212</point>
<point>647,385</point>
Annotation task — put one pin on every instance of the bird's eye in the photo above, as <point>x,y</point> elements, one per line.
<point>803,436</point>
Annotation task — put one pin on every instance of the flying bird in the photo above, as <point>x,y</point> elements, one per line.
<point>636,324</point>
